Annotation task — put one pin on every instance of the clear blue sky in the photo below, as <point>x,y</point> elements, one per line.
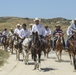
<point>38,8</point>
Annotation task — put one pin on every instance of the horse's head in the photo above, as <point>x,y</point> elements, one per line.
<point>36,39</point>
<point>72,43</point>
<point>48,38</point>
<point>60,37</point>
<point>74,33</point>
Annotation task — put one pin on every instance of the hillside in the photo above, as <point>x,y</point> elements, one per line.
<point>9,22</point>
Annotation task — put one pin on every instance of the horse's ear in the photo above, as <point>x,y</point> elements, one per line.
<point>33,33</point>
<point>36,33</point>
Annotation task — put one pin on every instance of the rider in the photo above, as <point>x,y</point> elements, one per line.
<point>55,35</point>
<point>1,36</point>
<point>70,30</point>
<point>17,31</point>
<point>5,35</point>
<point>48,32</point>
<point>37,27</point>
<point>30,29</point>
<point>24,33</point>
<point>11,32</point>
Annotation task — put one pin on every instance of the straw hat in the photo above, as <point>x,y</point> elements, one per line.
<point>31,24</point>
<point>18,25</point>
<point>37,19</point>
<point>57,25</point>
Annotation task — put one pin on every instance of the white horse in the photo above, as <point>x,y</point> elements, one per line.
<point>26,52</point>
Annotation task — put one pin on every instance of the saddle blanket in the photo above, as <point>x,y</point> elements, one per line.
<point>26,41</point>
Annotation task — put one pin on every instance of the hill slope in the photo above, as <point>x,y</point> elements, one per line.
<point>9,22</point>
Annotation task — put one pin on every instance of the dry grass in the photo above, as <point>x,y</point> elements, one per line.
<point>3,56</point>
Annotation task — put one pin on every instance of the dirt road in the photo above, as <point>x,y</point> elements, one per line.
<point>49,66</point>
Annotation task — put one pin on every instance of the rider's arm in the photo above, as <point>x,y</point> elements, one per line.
<point>21,34</point>
<point>34,28</point>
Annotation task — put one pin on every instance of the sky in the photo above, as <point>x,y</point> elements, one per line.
<point>38,8</point>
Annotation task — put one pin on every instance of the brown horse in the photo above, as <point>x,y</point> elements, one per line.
<point>59,46</point>
<point>48,45</point>
<point>72,51</point>
<point>36,49</point>
<point>11,44</point>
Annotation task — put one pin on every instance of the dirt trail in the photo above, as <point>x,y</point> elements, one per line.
<point>49,66</point>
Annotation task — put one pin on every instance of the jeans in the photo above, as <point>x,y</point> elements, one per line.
<point>54,42</point>
<point>42,39</point>
<point>67,43</point>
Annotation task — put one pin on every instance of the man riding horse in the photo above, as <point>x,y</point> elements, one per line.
<point>37,27</point>
<point>48,34</point>
<point>70,31</point>
<point>55,34</point>
<point>24,33</point>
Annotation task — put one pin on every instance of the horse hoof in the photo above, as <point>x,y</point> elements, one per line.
<point>34,69</point>
<point>39,69</point>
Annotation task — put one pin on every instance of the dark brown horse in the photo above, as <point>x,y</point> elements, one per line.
<point>59,46</point>
<point>72,50</point>
<point>5,42</point>
<point>36,50</point>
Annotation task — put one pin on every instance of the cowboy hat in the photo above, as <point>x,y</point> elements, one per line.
<point>31,24</point>
<point>75,19</point>
<point>72,21</point>
<point>18,25</point>
<point>46,25</point>
<point>57,25</point>
<point>37,19</point>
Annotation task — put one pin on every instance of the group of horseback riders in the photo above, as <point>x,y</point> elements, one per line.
<point>42,31</point>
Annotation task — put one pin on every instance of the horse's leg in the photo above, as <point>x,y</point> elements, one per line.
<point>70,58</point>
<point>12,49</point>
<point>60,54</point>
<point>17,54</point>
<point>35,60</point>
<point>45,54</point>
<point>39,60</point>
<point>75,62</point>
<point>27,56</point>
<point>57,54</point>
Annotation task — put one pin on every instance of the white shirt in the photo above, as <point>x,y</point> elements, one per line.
<point>70,29</point>
<point>17,30</point>
<point>24,33</point>
<point>47,32</point>
<point>38,28</point>
<point>10,33</point>
<point>5,33</point>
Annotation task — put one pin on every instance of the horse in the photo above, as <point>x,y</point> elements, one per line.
<point>26,50</point>
<point>59,46</point>
<point>14,45</point>
<point>48,45</point>
<point>36,49</point>
<point>11,43</point>
<point>5,42</point>
<point>72,50</point>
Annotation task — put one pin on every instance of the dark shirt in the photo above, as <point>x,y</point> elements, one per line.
<point>56,32</point>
